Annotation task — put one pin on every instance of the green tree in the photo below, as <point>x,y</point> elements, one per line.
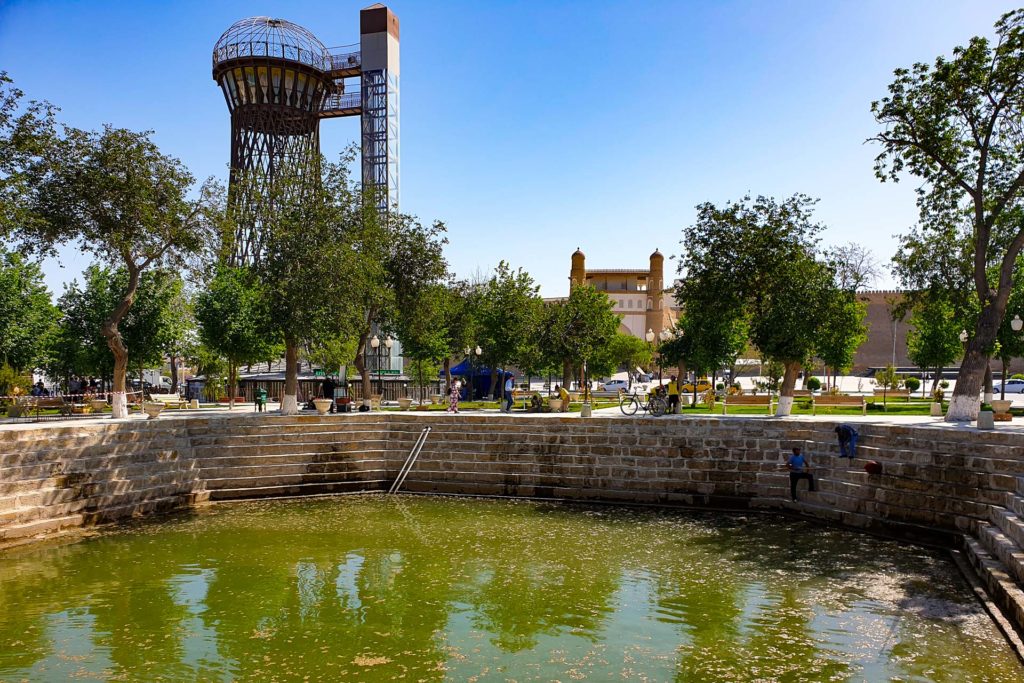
<point>758,257</point>
<point>28,133</point>
<point>26,312</point>
<point>578,329</point>
<point>77,345</point>
<point>843,329</point>
<point>309,266</point>
<point>423,330</point>
<point>116,196</point>
<point>507,316</point>
<point>624,351</point>
<point>889,380</point>
<point>955,125</point>
<point>933,341</point>
<point>711,332</point>
<point>233,314</point>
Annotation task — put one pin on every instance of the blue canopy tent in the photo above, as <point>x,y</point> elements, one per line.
<point>479,376</point>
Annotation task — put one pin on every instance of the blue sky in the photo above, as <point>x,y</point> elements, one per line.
<point>533,128</point>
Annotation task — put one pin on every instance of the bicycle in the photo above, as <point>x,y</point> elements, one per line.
<point>656,405</point>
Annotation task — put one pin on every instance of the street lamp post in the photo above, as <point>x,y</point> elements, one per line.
<point>378,348</point>
<point>650,342</point>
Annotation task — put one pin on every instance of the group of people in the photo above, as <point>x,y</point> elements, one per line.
<point>455,394</point>
<point>799,466</point>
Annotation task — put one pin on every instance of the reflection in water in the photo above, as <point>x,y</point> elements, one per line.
<point>418,589</point>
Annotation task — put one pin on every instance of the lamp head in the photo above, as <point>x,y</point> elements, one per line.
<point>963,336</point>
<point>650,335</point>
<point>1016,324</point>
<point>374,342</point>
<point>478,350</point>
<point>389,342</point>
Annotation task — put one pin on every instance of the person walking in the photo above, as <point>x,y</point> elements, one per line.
<point>847,441</point>
<point>507,399</point>
<point>798,469</point>
<point>453,396</point>
<point>673,395</point>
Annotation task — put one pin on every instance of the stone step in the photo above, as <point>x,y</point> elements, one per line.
<point>35,529</point>
<point>285,469</point>
<point>1003,548</point>
<point>999,583</point>
<point>238,459</point>
<point>1010,524</point>
<point>35,457</point>
<point>303,489</point>
<point>288,437</point>
<point>285,480</point>
<point>1015,503</point>
<point>275,446</point>
<point>1020,486</point>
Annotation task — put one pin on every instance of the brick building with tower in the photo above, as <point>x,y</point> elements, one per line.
<point>644,302</point>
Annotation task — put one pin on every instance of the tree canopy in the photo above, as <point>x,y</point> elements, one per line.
<point>26,313</point>
<point>756,261</point>
<point>955,125</point>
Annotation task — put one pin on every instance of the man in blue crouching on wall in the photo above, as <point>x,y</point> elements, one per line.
<point>847,441</point>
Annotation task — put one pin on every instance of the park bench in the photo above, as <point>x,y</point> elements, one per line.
<point>894,394</point>
<point>801,393</point>
<point>839,400</point>
<point>35,404</point>
<point>169,400</point>
<point>765,400</point>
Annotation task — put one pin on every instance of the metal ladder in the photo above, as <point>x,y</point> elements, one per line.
<point>410,461</point>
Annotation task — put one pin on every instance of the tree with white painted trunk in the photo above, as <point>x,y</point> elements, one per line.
<point>955,125</point>
<point>113,194</point>
<point>309,263</point>
<point>757,257</point>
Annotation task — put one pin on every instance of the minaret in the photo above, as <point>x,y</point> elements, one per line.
<point>578,274</point>
<point>655,287</point>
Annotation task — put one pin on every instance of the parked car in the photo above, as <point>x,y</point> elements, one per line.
<point>703,384</point>
<point>1013,386</point>
<point>615,385</point>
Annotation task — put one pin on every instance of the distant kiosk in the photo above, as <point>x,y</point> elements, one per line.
<point>279,81</point>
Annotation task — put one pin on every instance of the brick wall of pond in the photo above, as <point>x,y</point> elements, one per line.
<point>936,481</point>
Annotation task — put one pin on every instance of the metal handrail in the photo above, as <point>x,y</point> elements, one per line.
<point>410,461</point>
<point>342,101</point>
<point>345,60</point>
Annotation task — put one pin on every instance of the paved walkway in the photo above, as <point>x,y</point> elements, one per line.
<point>1017,426</point>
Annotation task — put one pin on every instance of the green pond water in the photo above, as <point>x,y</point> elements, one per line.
<point>368,588</point>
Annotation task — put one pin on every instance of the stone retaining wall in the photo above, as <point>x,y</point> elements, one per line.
<point>937,483</point>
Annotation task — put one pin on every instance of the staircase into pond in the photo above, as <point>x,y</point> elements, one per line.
<point>298,457</point>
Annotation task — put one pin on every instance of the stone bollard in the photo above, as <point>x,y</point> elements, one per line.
<point>585,410</point>
<point>986,420</point>
<point>936,409</point>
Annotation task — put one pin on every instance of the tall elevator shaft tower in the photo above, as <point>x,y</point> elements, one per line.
<point>279,81</point>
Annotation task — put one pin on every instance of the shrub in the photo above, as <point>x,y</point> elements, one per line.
<point>986,406</point>
<point>944,384</point>
<point>813,383</point>
<point>1016,375</point>
<point>912,384</point>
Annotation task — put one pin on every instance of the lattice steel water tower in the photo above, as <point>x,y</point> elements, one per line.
<point>279,82</point>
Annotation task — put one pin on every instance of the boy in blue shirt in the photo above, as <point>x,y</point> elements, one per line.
<point>798,466</point>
